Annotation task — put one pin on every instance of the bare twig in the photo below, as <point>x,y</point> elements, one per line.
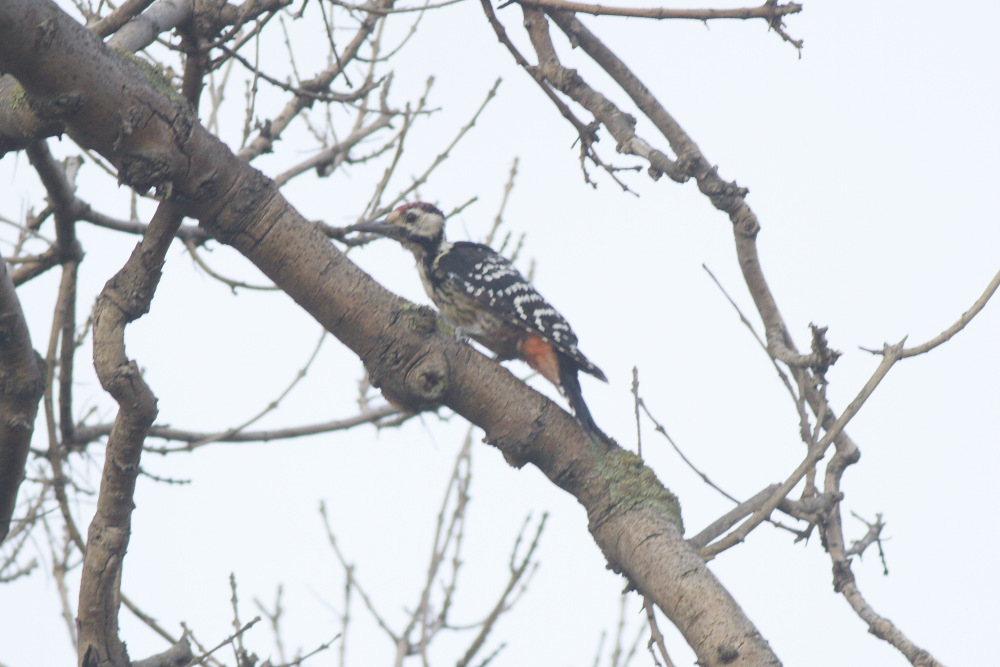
<point>636,400</point>
<point>234,600</point>
<point>517,572</point>
<point>845,583</point>
<point>616,651</point>
<point>149,620</point>
<point>873,536</point>
<point>349,570</point>
<point>769,11</point>
<point>443,155</point>
<point>394,10</point>
<point>587,134</point>
<point>236,636</point>
<point>332,156</point>
<point>891,355</point>
<point>498,220</point>
<point>274,618</point>
<point>184,233</point>
<point>272,130</point>
<point>62,549</point>
<point>301,91</point>
<point>959,324</point>
<point>231,283</point>
<point>659,428</point>
<point>10,567</point>
<point>379,416</point>
<point>448,531</point>
<point>655,636</point>
<point>763,346</point>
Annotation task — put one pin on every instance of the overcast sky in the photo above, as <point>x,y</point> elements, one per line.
<point>872,162</point>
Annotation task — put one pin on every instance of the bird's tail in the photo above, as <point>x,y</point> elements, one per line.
<point>570,384</point>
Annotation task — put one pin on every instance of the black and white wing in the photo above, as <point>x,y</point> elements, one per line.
<point>492,281</point>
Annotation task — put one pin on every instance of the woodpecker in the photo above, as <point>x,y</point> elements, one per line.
<point>482,295</point>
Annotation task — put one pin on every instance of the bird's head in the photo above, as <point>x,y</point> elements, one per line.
<point>416,225</point>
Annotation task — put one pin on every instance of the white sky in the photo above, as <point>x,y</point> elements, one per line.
<point>872,164</point>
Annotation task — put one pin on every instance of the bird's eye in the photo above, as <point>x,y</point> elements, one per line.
<point>411,217</point>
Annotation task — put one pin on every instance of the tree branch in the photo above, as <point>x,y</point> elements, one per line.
<point>959,324</point>
<point>21,387</point>
<point>125,298</point>
<point>194,439</point>
<point>633,519</point>
<point>769,10</point>
<point>127,11</point>
<point>272,130</point>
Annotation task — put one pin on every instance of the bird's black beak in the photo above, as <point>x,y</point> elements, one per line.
<point>380,227</point>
